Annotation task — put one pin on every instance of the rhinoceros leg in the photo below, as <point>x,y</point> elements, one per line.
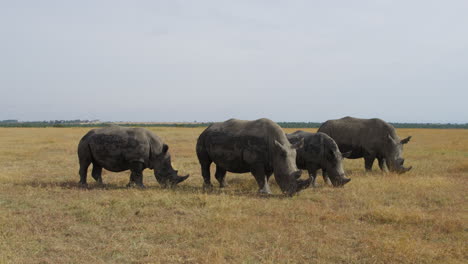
<point>220,176</point>
<point>131,182</point>
<point>136,176</point>
<point>268,175</point>
<point>326,179</point>
<point>381,164</point>
<point>96,173</point>
<point>313,176</point>
<point>261,178</point>
<point>205,170</point>
<point>84,164</point>
<point>368,162</point>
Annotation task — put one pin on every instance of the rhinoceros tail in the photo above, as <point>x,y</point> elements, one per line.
<point>85,155</point>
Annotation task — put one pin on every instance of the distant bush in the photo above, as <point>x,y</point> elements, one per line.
<point>9,121</point>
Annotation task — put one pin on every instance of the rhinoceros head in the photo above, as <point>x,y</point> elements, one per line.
<point>333,162</point>
<point>394,151</point>
<point>163,170</point>
<point>286,172</point>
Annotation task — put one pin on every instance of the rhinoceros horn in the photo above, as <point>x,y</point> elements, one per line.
<point>303,184</point>
<point>176,179</point>
<point>170,180</point>
<point>340,181</point>
<point>400,168</point>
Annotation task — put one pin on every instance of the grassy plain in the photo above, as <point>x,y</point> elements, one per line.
<point>418,217</point>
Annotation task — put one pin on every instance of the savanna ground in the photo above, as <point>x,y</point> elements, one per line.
<point>418,217</point>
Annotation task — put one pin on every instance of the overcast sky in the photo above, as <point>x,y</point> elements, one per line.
<point>402,61</point>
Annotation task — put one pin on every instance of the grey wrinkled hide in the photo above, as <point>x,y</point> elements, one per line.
<point>118,149</point>
<point>259,147</point>
<point>319,151</point>
<point>369,139</point>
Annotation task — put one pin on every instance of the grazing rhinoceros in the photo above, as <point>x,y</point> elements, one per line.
<point>118,149</point>
<point>319,152</point>
<point>258,146</point>
<point>368,138</point>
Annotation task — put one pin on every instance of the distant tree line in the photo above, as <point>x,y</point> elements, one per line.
<point>9,121</point>
<point>396,125</point>
<point>429,125</point>
<point>299,124</point>
<point>97,123</point>
<point>50,123</point>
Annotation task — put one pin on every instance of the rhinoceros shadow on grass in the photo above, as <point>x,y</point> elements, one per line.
<point>72,185</point>
<point>233,189</point>
<point>181,189</point>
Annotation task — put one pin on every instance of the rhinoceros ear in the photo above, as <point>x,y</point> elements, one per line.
<point>298,144</point>
<point>280,147</point>
<point>165,148</point>
<point>392,140</point>
<point>406,140</point>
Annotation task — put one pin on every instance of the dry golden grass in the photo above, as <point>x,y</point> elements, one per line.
<point>418,217</point>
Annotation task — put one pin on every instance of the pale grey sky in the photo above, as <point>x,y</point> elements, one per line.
<point>402,61</point>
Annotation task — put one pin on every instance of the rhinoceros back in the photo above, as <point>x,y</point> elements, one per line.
<point>358,135</point>
<point>114,148</point>
<point>234,142</point>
